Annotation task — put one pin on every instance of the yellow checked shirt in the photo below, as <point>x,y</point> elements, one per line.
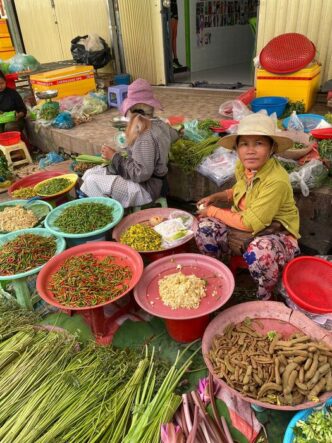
<point>269,197</point>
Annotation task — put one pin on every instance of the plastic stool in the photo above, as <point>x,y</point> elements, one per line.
<point>237,262</point>
<point>162,201</point>
<point>120,92</point>
<point>20,153</point>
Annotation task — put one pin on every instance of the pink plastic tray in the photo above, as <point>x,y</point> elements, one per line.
<point>144,216</point>
<point>219,288</point>
<point>274,316</point>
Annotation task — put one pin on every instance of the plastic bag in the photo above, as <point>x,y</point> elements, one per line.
<point>93,105</point>
<point>172,231</point>
<point>70,102</point>
<point>191,131</point>
<point>63,121</point>
<point>220,166</point>
<point>81,54</point>
<point>235,109</point>
<point>311,175</point>
<point>324,320</point>
<point>23,62</point>
<point>51,157</point>
<point>295,123</point>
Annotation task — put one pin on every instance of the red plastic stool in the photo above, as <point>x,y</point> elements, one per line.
<point>237,262</point>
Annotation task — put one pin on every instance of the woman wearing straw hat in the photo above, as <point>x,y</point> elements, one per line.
<point>138,178</point>
<point>263,223</point>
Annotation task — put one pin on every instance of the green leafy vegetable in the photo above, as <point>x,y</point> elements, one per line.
<point>316,429</point>
<point>325,149</point>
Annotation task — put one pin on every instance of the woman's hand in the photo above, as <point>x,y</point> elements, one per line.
<point>107,152</point>
<point>19,115</point>
<point>202,212</point>
<point>206,201</point>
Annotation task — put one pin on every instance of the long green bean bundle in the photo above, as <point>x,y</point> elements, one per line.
<point>188,155</point>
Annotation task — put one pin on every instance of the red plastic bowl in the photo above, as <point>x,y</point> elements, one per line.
<point>32,180</point>
<point>123,254</point>
<point>308,282</point>
<point>321,134</point>
<point>10,138</point>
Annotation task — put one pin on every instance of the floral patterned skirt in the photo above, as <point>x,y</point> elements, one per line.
<point>266,256</point>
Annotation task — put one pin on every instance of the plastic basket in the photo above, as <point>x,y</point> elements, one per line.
<point>24,202</point>
<point>10,138</point>
<point>308,282</point>
<point>32,180</point>
<point>88,236</point>
<point>309,121</point>
<point>287,53</point>
<point>301,415</point>
<point>270,104</point>
<point>60,246</point>
<point>8,117</point>
<point>71,177</point>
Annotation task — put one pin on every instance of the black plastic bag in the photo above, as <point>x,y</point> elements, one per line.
<point>97,59</point>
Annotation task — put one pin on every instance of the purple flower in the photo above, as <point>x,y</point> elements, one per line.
<point>171,433</point>
<point>203,385</point>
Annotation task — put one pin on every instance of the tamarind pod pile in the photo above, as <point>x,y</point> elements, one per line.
<point>272,369</point>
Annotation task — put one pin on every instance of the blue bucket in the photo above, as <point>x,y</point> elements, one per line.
<point>301,415</point>
<point>98,234</point>
<point>270,104</point>
<point>122,79</point>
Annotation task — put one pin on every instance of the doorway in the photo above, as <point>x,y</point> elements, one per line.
<point>216,41</point>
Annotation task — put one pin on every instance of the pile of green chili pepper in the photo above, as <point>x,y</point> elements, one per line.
<point>53,186</point>
<point>142,238</point>
<point>84,217</point>
<point>87,281</point>
<point>25,252</point>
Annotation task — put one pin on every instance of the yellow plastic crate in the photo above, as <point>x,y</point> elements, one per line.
<point>75,80</point>
<point>300,85</point>
<point>6,43</point>
<point>7,53</point>
<point>4,27</point>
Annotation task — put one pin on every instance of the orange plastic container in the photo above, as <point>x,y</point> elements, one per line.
<point>75,80</point>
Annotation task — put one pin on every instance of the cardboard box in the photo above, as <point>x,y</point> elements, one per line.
<point>300,85</point>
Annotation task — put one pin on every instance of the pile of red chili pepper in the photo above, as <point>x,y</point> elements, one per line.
<point>88,281</point>
<point>25,252</point>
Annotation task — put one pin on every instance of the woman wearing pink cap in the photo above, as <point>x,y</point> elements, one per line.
<point>138,178</point>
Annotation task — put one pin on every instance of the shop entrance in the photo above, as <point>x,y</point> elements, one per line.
<point>215,43</point>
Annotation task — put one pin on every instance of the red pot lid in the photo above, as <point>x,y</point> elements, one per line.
<point>287,53</point>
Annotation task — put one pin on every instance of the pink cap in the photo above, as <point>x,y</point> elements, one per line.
<point>139,91</point>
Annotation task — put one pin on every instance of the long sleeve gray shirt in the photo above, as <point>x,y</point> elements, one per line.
<point>147,157</point>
